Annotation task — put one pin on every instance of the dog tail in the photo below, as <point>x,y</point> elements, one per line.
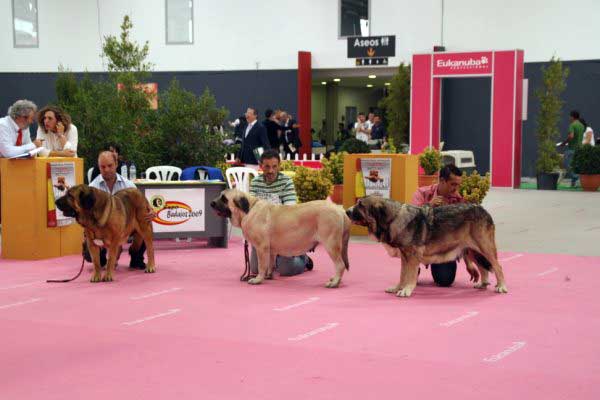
<point>345,240</point>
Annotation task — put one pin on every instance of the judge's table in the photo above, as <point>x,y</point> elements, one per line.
<point>24,207</point>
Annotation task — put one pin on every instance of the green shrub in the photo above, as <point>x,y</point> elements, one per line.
<point>430,160</point>
<point>586,160</point>
<point>354,146</point>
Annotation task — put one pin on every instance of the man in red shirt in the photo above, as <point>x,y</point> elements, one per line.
<point>443,193</point>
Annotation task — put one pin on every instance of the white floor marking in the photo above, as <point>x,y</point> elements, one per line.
<point>511,258</point>
<point>139,321</point>
<point>516,346</point>
<point>460,319</point>
<point>551,270</point>
<point>21,285</point>
<point>314,332</point>
<point>20,303</point>
<point>308,301</point>
<point>152,294</point>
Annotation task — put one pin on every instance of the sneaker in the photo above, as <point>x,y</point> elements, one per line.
<point>309,263</point>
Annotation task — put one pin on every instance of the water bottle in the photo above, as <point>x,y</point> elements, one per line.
<point>124,171</point>
<point>132,175</point>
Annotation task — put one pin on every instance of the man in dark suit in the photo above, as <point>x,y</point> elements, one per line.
<point>291,135</point>
<point>255,136</point>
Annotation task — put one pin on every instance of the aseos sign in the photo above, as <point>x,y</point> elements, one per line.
<point>462,63</point>
<point>371,46</point>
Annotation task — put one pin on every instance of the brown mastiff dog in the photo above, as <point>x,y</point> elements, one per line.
<point>109,221</point>
<point>287,230</point>
<point>430,235</point>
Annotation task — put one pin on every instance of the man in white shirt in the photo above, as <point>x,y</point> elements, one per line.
<point>361,128</point>
<point>111,182</point>
<point>14,129</point>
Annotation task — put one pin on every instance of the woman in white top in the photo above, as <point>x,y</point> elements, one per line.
<point>57,132</point>
<point>588,134</point>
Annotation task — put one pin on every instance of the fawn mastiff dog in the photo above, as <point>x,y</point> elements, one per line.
<point>430,235</point>
<point>111,220</point>
<point>287,230</point>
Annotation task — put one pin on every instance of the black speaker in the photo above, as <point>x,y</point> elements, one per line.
<point>439,48</point>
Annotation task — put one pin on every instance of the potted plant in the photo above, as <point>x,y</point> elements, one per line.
<point>474,187</point>
<point>396,105</point>
<point>311,184</point>
<point>548,161</point>
<point>431,162</point>
<point>334,168</point>
<point>586,163</point>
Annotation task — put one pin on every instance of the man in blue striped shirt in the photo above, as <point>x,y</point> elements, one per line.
<point>277,188</point>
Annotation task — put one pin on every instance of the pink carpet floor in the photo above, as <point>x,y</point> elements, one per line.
<point>194,331</point>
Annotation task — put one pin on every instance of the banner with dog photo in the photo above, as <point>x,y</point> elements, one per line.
<point>61,177</point>
<point>377,176</point>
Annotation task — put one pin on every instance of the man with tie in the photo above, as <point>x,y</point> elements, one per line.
<point>255,136</point>
<point>14,129</point>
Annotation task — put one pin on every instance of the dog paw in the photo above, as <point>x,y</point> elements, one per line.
<point>150,270</point>
<point>405,292</point>
<point>333,283</point>
<point>255,281</point>
<point>481,285</point>
<point>96,278</point>
<point>392,289</point>
<point>107,278</point>
<point>501,289</point>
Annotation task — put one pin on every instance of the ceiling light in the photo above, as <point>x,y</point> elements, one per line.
<point>372,76</point>
<point>369,85</point>
<point>337,80</point>
<point>323,83</point>
<point>387,84</point>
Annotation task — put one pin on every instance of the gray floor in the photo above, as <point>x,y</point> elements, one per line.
<point>541,221</point>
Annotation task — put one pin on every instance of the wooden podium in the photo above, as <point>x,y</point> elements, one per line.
<point>404,176</point>
<point>24,190</point>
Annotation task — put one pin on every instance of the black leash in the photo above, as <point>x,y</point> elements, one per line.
<point>68,280</point>
<point>246,275</point>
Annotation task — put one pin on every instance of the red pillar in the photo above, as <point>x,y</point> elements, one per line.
<point>304,99</point>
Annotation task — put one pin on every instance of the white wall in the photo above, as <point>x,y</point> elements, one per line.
<point>235,35</point>
<point>542,28</point>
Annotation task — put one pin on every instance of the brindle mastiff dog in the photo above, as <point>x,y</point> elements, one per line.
<point>287,230</point>
<point>430,235</point>
<point>110,220</point>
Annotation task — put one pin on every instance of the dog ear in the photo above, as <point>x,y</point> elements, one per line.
<point>87,199</point>
<point>380,215</point>
<point>242,203</point>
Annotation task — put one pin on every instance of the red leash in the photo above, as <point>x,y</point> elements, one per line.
<point>68,280</point>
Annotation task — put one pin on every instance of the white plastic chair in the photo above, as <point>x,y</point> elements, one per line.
<point>163,173</point>
<point>89,175</point>
<point>241,177</point>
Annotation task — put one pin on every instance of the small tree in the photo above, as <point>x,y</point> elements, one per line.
<point>125,56</point>
<point>396,105</point>
<point>184,131</point>
<point>553,84</point>
<point>116,110</point>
